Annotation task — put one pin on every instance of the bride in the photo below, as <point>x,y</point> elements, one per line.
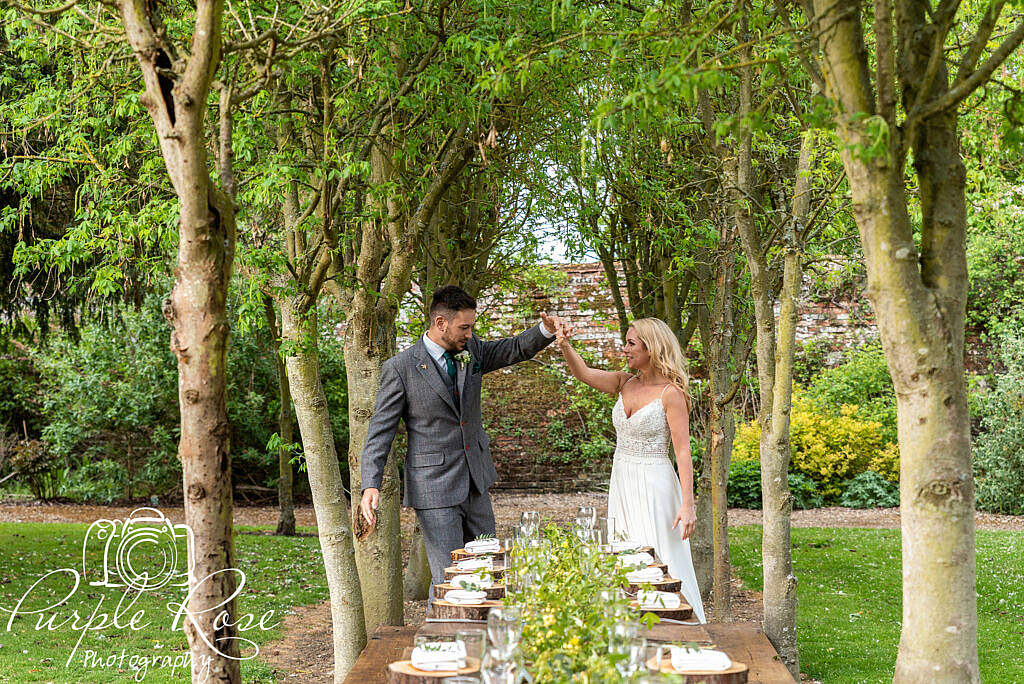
<point>645,497</point>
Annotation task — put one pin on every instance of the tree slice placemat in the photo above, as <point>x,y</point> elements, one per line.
<point>683,612</point>
<point>736,674</point>
<point>496,573</point>
<point>444,610</point>
<point>668,584</point>
<point>402,672</point>
<point>462,554</point>
<point>494,592</point>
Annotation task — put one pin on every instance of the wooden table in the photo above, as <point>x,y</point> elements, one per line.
<point>743,641</point>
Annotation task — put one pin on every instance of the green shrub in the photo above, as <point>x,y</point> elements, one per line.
<point>999,450</point>
<point>862,381</point>
<point>870,490</point>
<point>744,489</point>
<point>38,467</point>
<point>827,448</point>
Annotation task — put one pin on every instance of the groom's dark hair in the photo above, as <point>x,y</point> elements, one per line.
<point>449,300</point>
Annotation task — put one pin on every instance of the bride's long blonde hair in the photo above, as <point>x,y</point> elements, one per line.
<point>666,355</point>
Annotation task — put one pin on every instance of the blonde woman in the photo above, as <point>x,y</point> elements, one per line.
<point>650,498</point>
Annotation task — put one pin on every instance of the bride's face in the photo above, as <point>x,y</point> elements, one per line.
<point>637,356</point>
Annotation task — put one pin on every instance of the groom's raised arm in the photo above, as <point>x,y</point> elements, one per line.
<point>505,352</point>
<point>389,409</point>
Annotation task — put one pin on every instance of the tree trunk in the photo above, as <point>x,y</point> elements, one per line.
<point>919,303</point>
<point>417,572</point>
<point>369,341</point>
<point>722,428</point>
<point>286,479</point>
<point>325,483</point>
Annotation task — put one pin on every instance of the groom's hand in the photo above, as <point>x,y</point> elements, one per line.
<point>368,504</point>
<point>552,323</point>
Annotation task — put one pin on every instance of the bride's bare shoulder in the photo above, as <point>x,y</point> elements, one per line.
<point>623,378</point>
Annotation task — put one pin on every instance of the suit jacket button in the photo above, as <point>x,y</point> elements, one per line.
<point>463,423</point>
<point>467,447</point>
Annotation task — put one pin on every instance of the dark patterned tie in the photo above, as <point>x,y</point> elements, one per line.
<point>449,362</point>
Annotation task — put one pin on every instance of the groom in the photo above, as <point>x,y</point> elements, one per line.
<point>434,386</point>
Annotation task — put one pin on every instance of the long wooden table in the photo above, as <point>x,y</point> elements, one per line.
<point>742,641</point>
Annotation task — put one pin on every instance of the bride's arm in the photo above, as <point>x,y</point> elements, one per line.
<point>602,380</point>
<point>679,426</point>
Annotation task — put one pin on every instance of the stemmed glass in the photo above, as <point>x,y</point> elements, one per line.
<point>623,641</point>
<point>529,523</point>
<point>497,667</point>
<point>654,654</point>
<point>505,628</point>
<point>588,512</point>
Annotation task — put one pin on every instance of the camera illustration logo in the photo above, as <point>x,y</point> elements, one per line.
<point>143,552</point>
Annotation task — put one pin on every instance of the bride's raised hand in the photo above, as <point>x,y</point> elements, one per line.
<point>686,517</point>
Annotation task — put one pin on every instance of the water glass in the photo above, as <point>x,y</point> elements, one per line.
<point>497,667</point>
<point>474,641</point>
<point>655,654</point>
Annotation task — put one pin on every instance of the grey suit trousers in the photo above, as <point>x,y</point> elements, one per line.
<point>449,528</point>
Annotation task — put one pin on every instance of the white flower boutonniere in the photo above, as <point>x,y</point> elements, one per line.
<point>464,357</point>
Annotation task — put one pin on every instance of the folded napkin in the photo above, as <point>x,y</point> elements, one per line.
<point>636,560</point>
<point>620,546</point>
<point>471,582</point>
<point>475,564</point>
<point>701,659</point>
<point>652,600</point>
<point>439,656</point>
<point>483,546</point>
<point>645,575</point>
<point>465,597</point>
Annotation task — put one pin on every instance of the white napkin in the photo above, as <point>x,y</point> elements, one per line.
<point>439,656</point>
<point>701,659</point>
<point>475,564</point>
<point>466,581</point>
<point>636,560</point>
<point>653,600</point>
<point>483,546</point>
<point>645,575</point>
<point>620,546</point>
<point>465,597</point>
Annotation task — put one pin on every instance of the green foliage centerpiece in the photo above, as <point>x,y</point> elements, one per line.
<point>570,595</point>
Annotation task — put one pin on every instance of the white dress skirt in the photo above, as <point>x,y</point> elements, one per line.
<point>644,494</point>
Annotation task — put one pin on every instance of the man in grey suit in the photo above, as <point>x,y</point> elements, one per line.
<point>434,386</point>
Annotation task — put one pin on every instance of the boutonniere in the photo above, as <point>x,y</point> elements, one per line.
<point>464,357</point>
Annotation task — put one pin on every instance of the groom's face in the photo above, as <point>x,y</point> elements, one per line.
<point>455,332</point>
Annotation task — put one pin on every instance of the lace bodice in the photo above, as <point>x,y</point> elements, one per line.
<point>643,436</point>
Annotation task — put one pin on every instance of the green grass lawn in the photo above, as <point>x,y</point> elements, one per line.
<point>280,573</point>
<point>849,593</point>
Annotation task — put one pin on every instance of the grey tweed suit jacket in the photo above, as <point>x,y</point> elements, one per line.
<point>447,446</point>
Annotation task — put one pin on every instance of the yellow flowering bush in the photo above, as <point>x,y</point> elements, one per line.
<point>828,448</point>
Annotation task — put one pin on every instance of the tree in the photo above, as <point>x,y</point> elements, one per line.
<point>905,101</point>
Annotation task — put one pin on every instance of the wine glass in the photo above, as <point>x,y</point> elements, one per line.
<point>588,512</point>
<point>654,654</point>
<point>529,522</point>
<point>505,628</point>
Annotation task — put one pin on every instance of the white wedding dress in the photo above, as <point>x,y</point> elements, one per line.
<point>645,494</point>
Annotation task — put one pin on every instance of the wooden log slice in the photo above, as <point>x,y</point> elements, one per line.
<point>402,672</point>
<point>494,592</point>
<point>683,612</point>
<point>497,573</point>
<point>737,674</point>
<point>462,554</point>
<point>668,584</point>
<point>443,610</point>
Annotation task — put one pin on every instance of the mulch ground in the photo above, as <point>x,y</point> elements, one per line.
<point>305,654</point>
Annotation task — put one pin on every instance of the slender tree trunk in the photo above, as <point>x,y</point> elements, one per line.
<point>326,486</point>
<point>722,428</point>
<point>369,341</point>
<point>286,480</point>
<point>417,572</point>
